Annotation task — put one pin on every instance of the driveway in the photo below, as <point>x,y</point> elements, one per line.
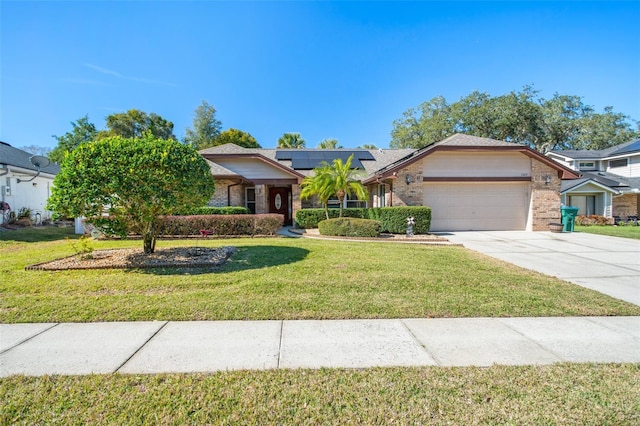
<point>610,265</point>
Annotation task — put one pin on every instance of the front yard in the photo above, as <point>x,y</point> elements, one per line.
<point>281,278</point>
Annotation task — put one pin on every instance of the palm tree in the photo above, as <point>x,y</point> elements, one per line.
<point>344,180</point>
<point>329,144</point>
<point>319,185</point>
<point>291,140</point>
<point>338,179</point>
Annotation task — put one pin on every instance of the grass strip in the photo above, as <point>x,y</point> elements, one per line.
<point>567,394</point>
<point>612,231</point>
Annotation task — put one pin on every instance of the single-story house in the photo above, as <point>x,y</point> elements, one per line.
<point>25,181</point>
<point>609,183</point>
<point>470,183</point>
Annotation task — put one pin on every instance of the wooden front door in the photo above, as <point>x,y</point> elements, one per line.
<point>279,203</point>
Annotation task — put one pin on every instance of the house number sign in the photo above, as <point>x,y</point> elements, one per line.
<point>278,201</point>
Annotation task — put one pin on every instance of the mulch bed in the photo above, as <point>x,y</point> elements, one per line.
<point>135,258</point>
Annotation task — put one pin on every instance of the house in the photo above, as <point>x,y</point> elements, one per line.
<point>470,183</point>
<point>25,181</point>
<point>610,180</point>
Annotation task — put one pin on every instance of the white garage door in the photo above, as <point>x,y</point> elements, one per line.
<point>482,206</point>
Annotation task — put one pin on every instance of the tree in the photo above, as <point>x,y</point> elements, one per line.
<point>237,137</point>
<point>344,179</point>
<point>134,180</point>
<point>338,179</point>
<point>135,123</point>
<point>319,185</point>
<point>37,150</point>
<point>206,128</point>
<point>83,131</point>
<point>367,146</point>
<point>291,140</point>
<point>562,122</point>
<point>432,122</point>
<point>329,144</point>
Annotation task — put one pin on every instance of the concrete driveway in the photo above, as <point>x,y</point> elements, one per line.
<point>610,265</point>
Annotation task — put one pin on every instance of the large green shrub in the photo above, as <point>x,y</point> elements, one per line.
<point>394,219</point>
<point>350,227</point>
<point>309,218</point>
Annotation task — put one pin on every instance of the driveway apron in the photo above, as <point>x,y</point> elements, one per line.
<point>610,265</point>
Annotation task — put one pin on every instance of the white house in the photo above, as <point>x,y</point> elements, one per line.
<point>609,183</point>
<point>25,181</point>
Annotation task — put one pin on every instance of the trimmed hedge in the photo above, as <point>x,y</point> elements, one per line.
<point>227,224</point>
<point>350,227</point>
<point>208,210</point>
<point>309,218</point>
<point>393,219</point>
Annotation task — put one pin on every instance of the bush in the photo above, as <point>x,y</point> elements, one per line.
<point>309,218</point>
<point>208,210</point>
<point>593,220</point>
<point>394,219</point>
<point>226,224</point>
<point>350,227</point>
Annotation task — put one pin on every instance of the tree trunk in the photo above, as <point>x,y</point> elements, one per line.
<point>149,243</point>
<point>340,200</point>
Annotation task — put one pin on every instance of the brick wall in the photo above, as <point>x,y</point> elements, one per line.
<point>625,205</point>
<point>224,189</point>
<point>545,199</point>
<point>408,194</point>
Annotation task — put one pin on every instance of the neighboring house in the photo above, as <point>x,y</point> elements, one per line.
<point>610,180</point>
<point>469,183</point>
<point>23,184</point>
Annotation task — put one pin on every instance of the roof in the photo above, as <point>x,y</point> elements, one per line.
<point>461,141</point>
<point>595,154</point>
<point>369,160</point>
<point>18,158</point>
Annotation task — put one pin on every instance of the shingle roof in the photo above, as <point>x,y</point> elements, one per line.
<point>382,157</point>
<point>460,139</point>
<point>594,154</point>
<point>16,157</point>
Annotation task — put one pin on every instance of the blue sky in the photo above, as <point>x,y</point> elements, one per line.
<point>343,70</point>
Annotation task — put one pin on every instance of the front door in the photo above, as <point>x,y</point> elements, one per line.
<point>279,203</point>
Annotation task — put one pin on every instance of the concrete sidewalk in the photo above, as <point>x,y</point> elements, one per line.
<point>208,346</point>
<point>610,265</point>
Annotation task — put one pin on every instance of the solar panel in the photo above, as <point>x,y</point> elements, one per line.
<point>302,159</point>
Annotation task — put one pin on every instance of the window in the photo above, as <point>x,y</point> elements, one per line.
<point>348,202</point>
<point>587,165</point>
<point>250,199</point>
<point>618,163</point>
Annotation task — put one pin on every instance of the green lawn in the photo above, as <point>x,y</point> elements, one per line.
<point>614,231</point>
<point>563,394</point>
<point>281,278</point>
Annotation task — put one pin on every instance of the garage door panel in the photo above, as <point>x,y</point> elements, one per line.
<point>477,206</point>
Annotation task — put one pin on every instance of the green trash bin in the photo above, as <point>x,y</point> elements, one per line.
<point>568,217</point>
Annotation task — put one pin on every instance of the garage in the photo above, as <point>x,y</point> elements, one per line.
<point>477,206</point>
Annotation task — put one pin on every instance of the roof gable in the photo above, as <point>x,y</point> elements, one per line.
<point>462,142</point>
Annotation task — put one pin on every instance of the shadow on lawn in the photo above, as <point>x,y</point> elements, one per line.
<point>246,258</point>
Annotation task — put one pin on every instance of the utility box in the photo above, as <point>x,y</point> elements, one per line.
<point>568,218</point>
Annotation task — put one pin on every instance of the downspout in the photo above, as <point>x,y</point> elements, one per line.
<point>6,172</point>
<point>229,192</point>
